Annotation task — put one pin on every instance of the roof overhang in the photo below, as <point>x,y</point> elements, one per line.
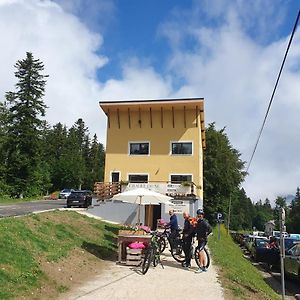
<point>135,105</point>
<point>142,104</point>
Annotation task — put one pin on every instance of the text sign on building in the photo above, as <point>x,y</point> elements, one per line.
<point>163,188</point>
<point>179,206</point>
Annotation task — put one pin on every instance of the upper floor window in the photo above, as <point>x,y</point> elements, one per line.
<point>182,148</point>
<point>136,178</point>
<point>139,148</point>
<point>181,178</point>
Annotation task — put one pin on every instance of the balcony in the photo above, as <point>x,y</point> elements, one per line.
<point>178,190</point>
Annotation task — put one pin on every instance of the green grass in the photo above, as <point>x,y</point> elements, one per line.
<point>50,237</point>
<point>236,272</point>
<point>9,200</point>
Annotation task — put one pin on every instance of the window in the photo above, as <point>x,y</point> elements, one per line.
<point>137,178</point>
<point>181,178</point>
<point>138,148</point>
<point>185,148</point>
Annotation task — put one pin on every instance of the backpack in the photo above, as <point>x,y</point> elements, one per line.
<point>193,222</point>
<point>209,229</point>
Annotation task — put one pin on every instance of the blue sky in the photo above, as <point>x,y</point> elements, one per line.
<point>136,27</point>
<point>227,51</point>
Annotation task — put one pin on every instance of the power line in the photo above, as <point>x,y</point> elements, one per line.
<point>274,90</point>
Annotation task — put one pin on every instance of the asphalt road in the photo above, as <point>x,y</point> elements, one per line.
<point>19,209</point>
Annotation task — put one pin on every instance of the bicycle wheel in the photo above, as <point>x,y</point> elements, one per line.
<point>146,261</point>
<point>206,257</point>
<point>155,260</point>
<point>177,251</point>
<point>162,244</point>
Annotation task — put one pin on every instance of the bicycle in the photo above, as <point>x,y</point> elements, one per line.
<point>152,254</point>
<point>197,256</point>
<point>176,245</point>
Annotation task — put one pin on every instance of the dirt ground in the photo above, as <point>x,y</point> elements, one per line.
<point>67,274</point>
<point>171,282</point>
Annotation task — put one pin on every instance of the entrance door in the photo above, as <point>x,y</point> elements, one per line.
<point>152,214</point>
<point>115,176</point>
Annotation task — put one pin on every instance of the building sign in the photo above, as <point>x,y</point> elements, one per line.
<point>163,188</point>
<point>179,206</point>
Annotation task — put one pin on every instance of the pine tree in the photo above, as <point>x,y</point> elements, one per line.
<point>223,171</point>
<point>293,223</point>
<point>26,108</point>
<point>4,116</point>
<point>97,157</point>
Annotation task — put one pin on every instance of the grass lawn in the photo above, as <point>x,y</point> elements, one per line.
<point>32,247</point>
<point>240,279</point>
<point>8,200</point>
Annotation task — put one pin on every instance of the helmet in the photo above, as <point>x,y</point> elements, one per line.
<point>200,211</point>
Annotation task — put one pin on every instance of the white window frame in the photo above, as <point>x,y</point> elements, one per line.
<point>115,171</point>
<point>139,142</point>
<point>181,174</point>
<point>147,174</point>
<point>171,142</point>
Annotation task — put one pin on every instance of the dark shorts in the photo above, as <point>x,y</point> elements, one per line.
<point>201,243</point>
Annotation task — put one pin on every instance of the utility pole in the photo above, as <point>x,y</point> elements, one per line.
<point>282,250</point>
<point>229,210</point>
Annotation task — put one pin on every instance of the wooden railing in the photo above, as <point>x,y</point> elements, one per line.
<point>105,190</point>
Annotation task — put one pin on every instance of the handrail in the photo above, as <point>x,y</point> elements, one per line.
<point>106,190</point>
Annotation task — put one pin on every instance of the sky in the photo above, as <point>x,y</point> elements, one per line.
<point>227,51</point>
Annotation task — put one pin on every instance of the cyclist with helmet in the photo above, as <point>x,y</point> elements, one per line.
<point>187,237</point>
<point>203,229</point>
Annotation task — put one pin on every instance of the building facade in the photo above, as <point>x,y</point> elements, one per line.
<point>157,144</point>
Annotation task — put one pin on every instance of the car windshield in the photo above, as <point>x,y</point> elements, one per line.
<point>66,191</point>
<point>79,193</point>
<point>289,243</point>
<point>261,243</point>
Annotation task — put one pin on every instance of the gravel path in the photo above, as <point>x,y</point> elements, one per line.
<point>172,282</point>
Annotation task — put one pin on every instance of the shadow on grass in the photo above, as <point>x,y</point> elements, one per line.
<point>111,239</point>
<point>101,252</point>
<point>111,228</point>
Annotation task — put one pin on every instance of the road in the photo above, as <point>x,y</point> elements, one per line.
<point>19,209</point>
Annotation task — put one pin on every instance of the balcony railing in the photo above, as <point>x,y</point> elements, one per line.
<point>106,190</point>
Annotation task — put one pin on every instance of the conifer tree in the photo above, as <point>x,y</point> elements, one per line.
<point>293,223</point>
<point>26,108</point>
<point>4,114</point>
<point>223,172</point>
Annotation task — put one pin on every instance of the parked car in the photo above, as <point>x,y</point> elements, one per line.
<point>292,261</point>
<point>65,193</point>
<point>249,241</point>
<point>259,249</point>
<point>82,198</point>
<point>273,255</point>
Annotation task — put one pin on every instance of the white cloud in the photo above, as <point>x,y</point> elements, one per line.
<point>236,73</point>
<point>138,82</point>
<point>68,50</point>
<point>217,54</point>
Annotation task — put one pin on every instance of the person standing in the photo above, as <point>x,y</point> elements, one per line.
<point>203,229</point>
<point>173,225</point>
<point>187,237</point>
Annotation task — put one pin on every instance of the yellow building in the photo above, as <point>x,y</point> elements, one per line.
<point>157,144</point>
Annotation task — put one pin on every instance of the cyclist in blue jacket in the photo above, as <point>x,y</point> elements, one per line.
<point>173,225</point>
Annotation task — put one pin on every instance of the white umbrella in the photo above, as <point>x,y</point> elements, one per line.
<point>142,196</point>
